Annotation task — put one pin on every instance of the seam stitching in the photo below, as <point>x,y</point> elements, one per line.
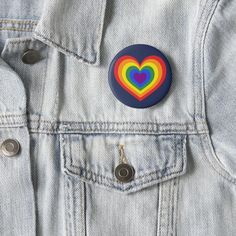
<point>43,88</point>
<point>216,167</point>
<point>16,29</point>
<point>161,210</point>
<point>57,45</point>
<point>207,25</point>
<point>178,151</point>
<point>33,22</point>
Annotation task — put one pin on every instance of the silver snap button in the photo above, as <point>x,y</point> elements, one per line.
<point>10,147</point>
<point>124,172</point>
<point>30,56</point>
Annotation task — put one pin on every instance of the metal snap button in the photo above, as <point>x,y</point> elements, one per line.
<point>124,172</point>
<point>10,147</point>
<point>30,56</point>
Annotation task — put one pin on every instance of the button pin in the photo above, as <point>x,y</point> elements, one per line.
<point>10,147</point>
<point>140,76</point>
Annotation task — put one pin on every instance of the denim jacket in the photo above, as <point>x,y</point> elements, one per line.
<point>69,126</point>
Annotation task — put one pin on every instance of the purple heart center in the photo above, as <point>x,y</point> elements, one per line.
<point>140,77</point>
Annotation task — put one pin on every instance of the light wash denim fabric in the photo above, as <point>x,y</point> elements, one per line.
<point>70,125</point>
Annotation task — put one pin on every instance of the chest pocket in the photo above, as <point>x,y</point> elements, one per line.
<point>89,163</point>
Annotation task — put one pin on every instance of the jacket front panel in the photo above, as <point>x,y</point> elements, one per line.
<point>71,127</point>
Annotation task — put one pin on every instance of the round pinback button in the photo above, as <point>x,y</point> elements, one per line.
<point>140,76</point>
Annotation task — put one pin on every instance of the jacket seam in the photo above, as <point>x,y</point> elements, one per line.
<point>24,22</point>
<point>17,29</point>
<point>201,31</point>
<point>215,162</point>
<point>203,59</point>
<point>59,46</point>
<point>218,168</point>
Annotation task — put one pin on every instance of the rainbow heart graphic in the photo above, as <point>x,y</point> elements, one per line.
<point>140,80</point>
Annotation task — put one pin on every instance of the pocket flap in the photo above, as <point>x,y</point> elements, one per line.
<point>93,158</point>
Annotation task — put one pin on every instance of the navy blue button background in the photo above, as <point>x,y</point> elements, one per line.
<point>140,52</point>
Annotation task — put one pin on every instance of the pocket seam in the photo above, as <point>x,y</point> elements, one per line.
<point>92,177</point>
<point>138,177</point>
<point>176,146</point>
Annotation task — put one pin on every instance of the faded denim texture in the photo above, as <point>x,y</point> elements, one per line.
<point>70,125</point>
